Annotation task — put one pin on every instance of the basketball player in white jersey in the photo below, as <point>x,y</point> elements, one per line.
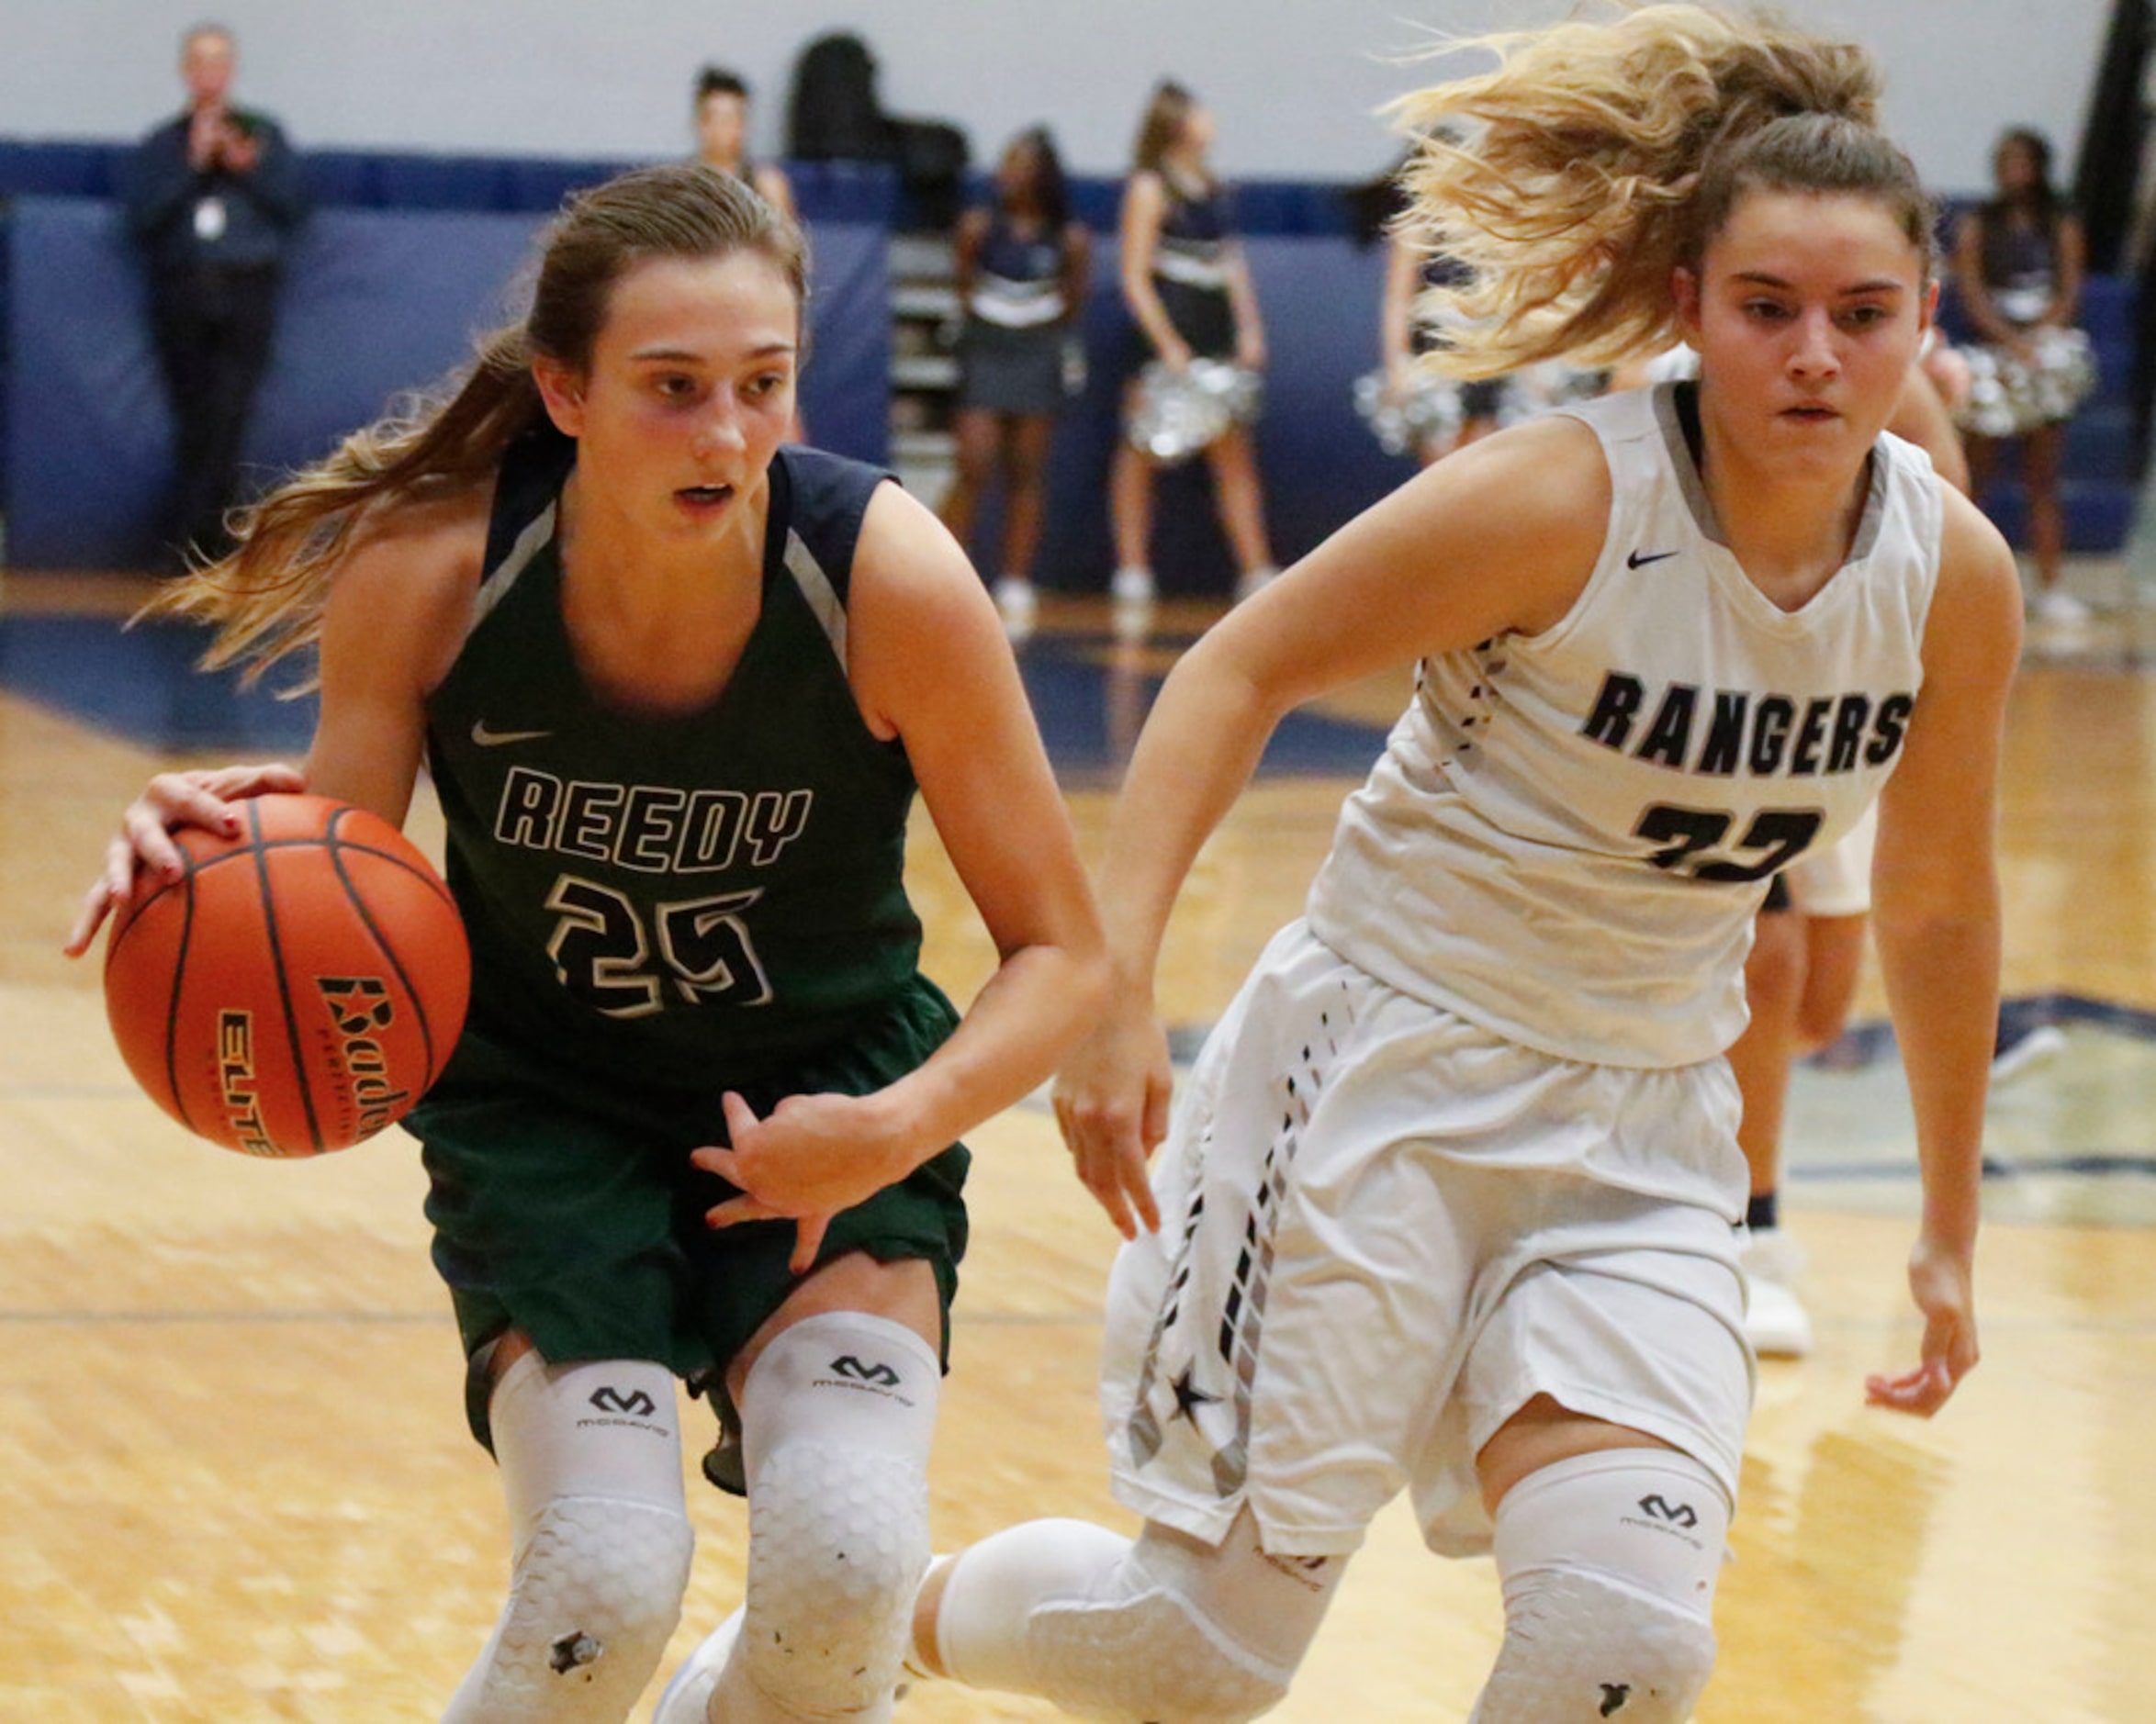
<point>1454,1202</point>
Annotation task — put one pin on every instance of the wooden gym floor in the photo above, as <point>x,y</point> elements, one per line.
<point>235,1483</point>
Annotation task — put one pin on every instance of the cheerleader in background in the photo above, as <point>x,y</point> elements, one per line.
<point>1022,269</point>
<point>2019,263</point>
<point>1188,289</point>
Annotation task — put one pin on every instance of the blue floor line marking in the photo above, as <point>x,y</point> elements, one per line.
<point>143,684</point>
<point>1873,1041</point>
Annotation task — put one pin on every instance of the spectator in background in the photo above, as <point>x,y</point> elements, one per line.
<point>1022,266</point>
<point>722,145</point>
<point>213,199</point>
<point>722,138</point>
<point>2018,261</point>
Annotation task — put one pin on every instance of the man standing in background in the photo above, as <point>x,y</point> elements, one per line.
<point>213,199</point>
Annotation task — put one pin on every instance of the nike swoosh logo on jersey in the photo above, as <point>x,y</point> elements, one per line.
<point>486,738</point>
<point>1640,559</point>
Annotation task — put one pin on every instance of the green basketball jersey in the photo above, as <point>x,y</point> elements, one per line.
<point>686,899</point>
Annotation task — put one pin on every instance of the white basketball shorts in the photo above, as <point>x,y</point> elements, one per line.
<point>1384,1230</point>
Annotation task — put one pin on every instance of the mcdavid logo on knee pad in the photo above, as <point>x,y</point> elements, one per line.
<point>631,1409</point>
<point>848,1371</point>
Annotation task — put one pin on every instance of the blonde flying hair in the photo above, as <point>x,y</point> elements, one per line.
<point>269,595</point>
<point>1599,156</point>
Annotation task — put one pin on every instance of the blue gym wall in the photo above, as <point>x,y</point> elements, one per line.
<point>379,301</point>
<point>409,256</point>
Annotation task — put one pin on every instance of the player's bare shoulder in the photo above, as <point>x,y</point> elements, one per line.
<point>1970,546</point>
<point>920,615</point>
<point>433,539</point>
<point>409,583</point>
<point>1529,504</point>
<point>905,562</point>
<point>1976,611</point>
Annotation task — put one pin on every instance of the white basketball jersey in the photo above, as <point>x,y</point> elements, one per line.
<point>1569,833</point>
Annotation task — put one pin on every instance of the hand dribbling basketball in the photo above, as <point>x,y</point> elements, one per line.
<point>286,974</point>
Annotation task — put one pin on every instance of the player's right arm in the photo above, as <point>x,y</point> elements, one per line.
<point>395,619</point>
<point>395,623</point>
<point>1434,567</point>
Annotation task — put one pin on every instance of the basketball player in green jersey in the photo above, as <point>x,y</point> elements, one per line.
<point>676,685</point>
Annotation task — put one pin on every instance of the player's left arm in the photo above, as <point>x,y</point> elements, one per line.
<point>1935,915</point>
<point>931,663</point>
<point>930,667</point>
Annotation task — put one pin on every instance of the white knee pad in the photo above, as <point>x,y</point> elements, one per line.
<point>1144,1655</point>
<point>1609,1562</point>
<point>837,1414</point>
<point>592,1465</point>
<point>1164,1628</point>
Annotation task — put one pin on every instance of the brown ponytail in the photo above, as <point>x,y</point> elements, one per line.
<point>268,597</point>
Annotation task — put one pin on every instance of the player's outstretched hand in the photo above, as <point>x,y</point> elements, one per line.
<point>1942,1278</point>
<point>808,1159</point>
<point>144,843</point>
<point>1111,1099</point>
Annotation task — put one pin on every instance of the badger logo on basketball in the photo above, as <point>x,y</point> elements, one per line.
<point>357,1003</point>
<point>359,1007</point>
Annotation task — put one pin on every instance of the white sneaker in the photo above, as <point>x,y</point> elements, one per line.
<point>1776,1322</point>
<point>687,1697</point>
<point>2017,1055</point>
<point>1016,601</point>
<point>2053,606</point>
<point>1132,586</point>
<point>1253,581</point>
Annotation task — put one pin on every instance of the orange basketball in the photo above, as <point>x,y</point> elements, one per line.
<point>299,988</point>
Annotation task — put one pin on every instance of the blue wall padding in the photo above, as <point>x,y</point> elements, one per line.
<point>845,387</point>
<point>377,303</point>
<point>376,179</point>
<point>408,255</point>
<point>374,304</point>
<point>61,168</point>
